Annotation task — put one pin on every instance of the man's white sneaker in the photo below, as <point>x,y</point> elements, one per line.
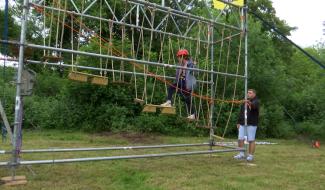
<point>166,104</point>
<point>239,156</point>
<point>250,158</point>
<point>191,117</point>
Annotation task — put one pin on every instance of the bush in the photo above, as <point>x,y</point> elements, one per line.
<point>109,117</point>
<point>270,121</point>
<point>311,130</point>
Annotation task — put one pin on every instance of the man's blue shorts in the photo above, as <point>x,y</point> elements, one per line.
<point>248,131</point>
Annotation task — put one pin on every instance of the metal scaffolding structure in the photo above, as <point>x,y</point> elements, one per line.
<point>136,9</point>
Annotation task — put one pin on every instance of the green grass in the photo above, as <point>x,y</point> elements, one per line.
<point>291,164</point>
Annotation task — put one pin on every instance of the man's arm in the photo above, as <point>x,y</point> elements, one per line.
<point>251,104</point>
<point>254,104</point>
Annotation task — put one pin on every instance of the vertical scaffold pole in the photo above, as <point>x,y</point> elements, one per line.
<point>245,27</point>
<point>212,86</point>
<point>18,101</point>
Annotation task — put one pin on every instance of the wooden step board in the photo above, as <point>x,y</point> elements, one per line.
<point>168,110</point>
<point>77,76</point>
<point>99,80</point>
<point>137,100</point>
<point>151,108</point>
<point>17,180</point>
<point>218,137</point>
<point>85,77</point>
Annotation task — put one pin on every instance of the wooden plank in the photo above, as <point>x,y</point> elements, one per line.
<point>99,80</point>
<point>149,108</point>
<point>247,164</point>
<point>18,180</point>
<point>14,183</point>
<point>218,137</point>
<point>168,110</point>
<point>5,121</point>
<point>137,100</point>
<point>78,77</point>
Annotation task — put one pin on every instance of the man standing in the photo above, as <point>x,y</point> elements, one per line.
<point>252,104</point>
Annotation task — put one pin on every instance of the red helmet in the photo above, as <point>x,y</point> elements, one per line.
<point>182,52</point>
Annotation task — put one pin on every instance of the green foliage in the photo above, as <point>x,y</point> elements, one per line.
<point>311,129</point>
<point>272,119</point>
<point>13,30</point>
<point>45,113</point>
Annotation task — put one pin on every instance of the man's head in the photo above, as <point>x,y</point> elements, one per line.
<point>251,93</point>
<point>182,54</point>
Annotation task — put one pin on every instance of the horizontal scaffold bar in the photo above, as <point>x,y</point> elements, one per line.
<point>157,7</point>
<point>72,160</point>
<point>121,59</point>
<point>183,14</point>
<point>100,69</point>
<point>124,24</point>
<point>105,148</point>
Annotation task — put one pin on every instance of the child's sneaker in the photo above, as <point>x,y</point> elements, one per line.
<point>168,103</point>
<point>191,117</point>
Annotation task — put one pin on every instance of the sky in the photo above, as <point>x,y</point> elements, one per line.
<point>307,16</point>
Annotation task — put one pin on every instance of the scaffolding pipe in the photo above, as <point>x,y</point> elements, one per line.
<point>121,58</point>
<point>212,86</point>
<point>129,60</point>
<point>72,160</point>
<point>18,99</point>
<point>100,69</point>
<point>174,12</point>
<point>181,13</point>
<point>121,23</point>
<point>51,150</point>
<point>108,70</point>
<point>245,25</point>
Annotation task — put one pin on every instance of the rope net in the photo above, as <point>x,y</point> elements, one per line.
<point>135,43</point>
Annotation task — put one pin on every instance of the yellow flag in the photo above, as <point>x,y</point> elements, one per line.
<point>238,2</point>
<point>219,5</point>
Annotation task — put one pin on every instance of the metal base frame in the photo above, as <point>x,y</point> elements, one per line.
<point>72,160</point>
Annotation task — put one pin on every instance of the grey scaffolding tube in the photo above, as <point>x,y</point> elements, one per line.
<point>98,69</point>
<point>53,150</point>
<point>71,160</point>
<point>119,58</point>
<point>18,102</point>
